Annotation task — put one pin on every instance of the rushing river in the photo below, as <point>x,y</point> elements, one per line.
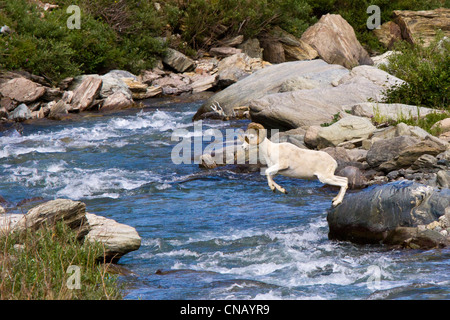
<point>218,234</point>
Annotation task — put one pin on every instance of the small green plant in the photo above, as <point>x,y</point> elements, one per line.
<point>425,122</point>
<point>34,267</point>
<point>381,119</point>
<point>336,118</point>
<point>426,71</point>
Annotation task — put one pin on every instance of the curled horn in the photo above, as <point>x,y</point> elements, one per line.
<point>259,129</point>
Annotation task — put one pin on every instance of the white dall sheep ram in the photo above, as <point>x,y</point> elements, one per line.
<point>291,161</point>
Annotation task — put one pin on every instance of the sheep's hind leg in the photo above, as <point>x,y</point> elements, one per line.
<point>344,180</point>
<point>335,181</point>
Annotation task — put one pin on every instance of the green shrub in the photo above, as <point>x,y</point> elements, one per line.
<point>204,21</point>
<point>135,25</point>
<point>427,122</point>
<point>413,119</point>
<point>426,71</point>
<point>34,266</point>
<point>44,45</point>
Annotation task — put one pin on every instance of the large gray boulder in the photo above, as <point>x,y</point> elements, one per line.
<point>177,60</point>
<point>111,84</point>
<point>73,213</point>
<point>20,113</point>
<point>389,111</point>
<point>320,90</point>
<point>85,94</point>
<point>346,129</point>
<point>384,150</point>
<point>22,90</point>
<point>117,238</point>
<point>336,42</point>
<point>373,215</point>
<point>304,108</point>
<point>269,80</point>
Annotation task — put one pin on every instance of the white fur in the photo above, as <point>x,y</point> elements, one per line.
<point>291,161</point>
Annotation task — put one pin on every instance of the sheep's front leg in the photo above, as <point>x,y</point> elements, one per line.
<point>270,173</point>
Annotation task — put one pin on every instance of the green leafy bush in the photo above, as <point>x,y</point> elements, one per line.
<point>204,21</point>
<point>427,122</point>
<point>414,119</point>
<point>43,44</point>
<point>426,71</point>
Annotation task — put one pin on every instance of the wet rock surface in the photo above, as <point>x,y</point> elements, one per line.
<point>390,214</point>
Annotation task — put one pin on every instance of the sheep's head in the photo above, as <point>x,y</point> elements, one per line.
<point>254,135</point>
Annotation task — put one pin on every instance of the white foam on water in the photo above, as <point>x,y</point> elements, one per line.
<point>57,167</point>
<point>163,186</point>
<point>80,184</point>
<point>158,119</point>
<point>253,270</point>
<point>63,180</point>
<point>179,253</point>
<point>110,133</point>
<point>294,257</point>
<point>229,235</point>
<point>14,151</point>
<point>77,183</point>
<point>152,242</point>
<point>276,295</point>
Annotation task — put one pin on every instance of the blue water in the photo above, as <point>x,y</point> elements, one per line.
<point>206,234</point>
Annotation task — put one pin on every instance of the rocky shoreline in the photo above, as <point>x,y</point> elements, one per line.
<point>25,97</point>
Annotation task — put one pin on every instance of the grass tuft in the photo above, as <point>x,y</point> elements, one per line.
<point>37,266</point>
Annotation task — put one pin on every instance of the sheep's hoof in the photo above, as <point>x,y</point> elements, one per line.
<point>274,190</point>
<point>285,192</point>
<point>336,203</point>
